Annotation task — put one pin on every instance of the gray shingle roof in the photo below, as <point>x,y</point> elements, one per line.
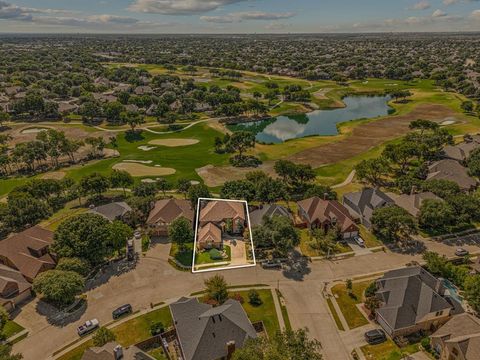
<point>256,216</point>
<point>364,202</point>
<point>204,331</point>
<point>408,295</point>
<point>112,211</point>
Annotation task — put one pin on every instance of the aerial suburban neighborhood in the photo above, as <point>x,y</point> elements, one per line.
<point>239,180</point>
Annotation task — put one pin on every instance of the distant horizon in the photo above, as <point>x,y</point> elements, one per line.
<point>238,16</point>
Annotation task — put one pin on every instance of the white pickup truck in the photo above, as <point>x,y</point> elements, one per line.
<point>89,326</point>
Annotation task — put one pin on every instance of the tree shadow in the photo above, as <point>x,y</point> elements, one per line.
<point>112,269</point>
<point>61,317</point>
<point>407,247</point>
<point>297,266</point>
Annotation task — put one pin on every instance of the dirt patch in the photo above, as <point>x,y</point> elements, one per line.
<point>55,175</point>
<point>33,130</point>
<point>217,176</point>
<point>371,134</point>
<point>135,169</point>
<point>174,142</point>
<point>321,94</point>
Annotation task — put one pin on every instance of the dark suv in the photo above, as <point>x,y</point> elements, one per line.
<point>376,336</point>
<point>122,310</point>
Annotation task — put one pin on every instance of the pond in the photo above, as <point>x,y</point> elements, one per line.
<point>319,122</point>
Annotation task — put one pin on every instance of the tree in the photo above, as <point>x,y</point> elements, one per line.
<point>180,232</point>
<point>145,189</point>
<point>183,185</point>
<point>435,215</point>
<point>442,188</point>
<point>85,236</point>
<point>238,189</point>
<point>80,266</point>
<point>163,185</point>
<point>240,141</point>
<point>216,289</point>
<point>277,233</point>
<point>58,286</point>
<point>287,345</point>
<point>94,183</point>
<point>254,298</point>
<point>393,223</point>
<point>23,209</point>
<point>372,171</point>
<point>321,191</point>
<point>121,179</point>
<point>4,317</point>
<point>198,191</point>
<point>472,291</point>
<point>6,353</point>
<point>119,233</point>
<point>296,176</point>
<point>372,303</point>
<point>269,190</point>
<point>103,336</point>
<point>133,119</point>
<point>467,106</point>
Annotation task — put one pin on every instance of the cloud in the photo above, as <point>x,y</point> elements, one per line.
<point>179,7</point>
<point>475,15</point>
<point>439,13</point>
<point>50,17</point>
<point>421,5</point>
<point>250,15</point>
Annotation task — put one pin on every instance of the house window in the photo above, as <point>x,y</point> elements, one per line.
<point>455,351</point>
<point>438,313</point>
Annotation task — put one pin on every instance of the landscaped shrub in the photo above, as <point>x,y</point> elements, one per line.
<point>254,298</point>
<point>371,290</point>
<point>426,343</point>
<point>215,254</point>
<point>145,242</point>
<point>156,328</point>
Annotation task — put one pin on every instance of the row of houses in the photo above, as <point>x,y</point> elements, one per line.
<point>413,300</point>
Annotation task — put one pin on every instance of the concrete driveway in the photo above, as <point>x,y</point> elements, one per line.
<point>238,252</point>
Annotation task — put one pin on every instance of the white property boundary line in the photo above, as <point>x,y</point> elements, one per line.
<point>196,234</point>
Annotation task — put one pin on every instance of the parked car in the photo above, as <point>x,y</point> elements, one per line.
<point>122,310</point>
<point>272,264</point>
<point>376,336</point>
<point>88,327</point>
<point>359,240</point>
<point>461,252</point>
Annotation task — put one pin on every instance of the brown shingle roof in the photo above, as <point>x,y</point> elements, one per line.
<point>27,251</point>
<point>326,210</point>
<point>167,210</point>
<point>10,277</point>
<point>210,232</point>
<point>217,210</point>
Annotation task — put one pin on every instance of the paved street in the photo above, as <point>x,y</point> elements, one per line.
<point>154,280</point>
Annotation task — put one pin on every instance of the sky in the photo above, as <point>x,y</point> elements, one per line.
<point>237,16</point>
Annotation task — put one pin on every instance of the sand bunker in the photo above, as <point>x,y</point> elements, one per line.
<point>139,161</point>
<point>136,169</point>
<point>146,148</point>
<point>35,130</point>
<point>174,142</point>
<point>55,175</point>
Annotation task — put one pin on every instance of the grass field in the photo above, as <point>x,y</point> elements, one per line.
<point>388,351</point>
<point>265,312</point>
<point>348,304</point>
<point>335,315</point>
<point>11,328</point>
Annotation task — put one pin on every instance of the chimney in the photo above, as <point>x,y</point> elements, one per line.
<point>414,190</point>
<point>118,352</point>
<point>230,349</point>
<point>325,196</point>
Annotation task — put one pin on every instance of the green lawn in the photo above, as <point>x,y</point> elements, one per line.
<point>265,312</point>
<point>307,250</point>
<point>184,159</point>
<point>184,257</point>
<point>370,239</point>
<point>388,351</point>
<point>129,332</point>
<point>285,316</point>
<point>347,304</point>
<point>204,256</point>
<point>338,322</point>
<point>11,328</point>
